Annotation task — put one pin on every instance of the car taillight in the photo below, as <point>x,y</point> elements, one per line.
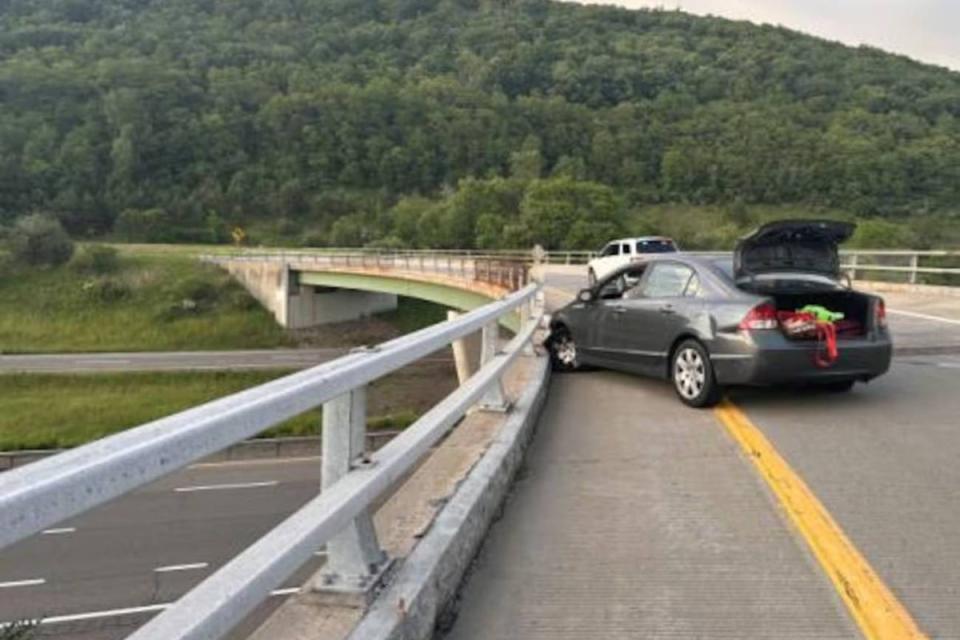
<point>880,313</point>
<point>762,316</point>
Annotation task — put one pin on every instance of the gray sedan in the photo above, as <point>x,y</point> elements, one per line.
<point>707,323</point>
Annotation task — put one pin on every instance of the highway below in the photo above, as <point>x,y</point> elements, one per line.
<point>104,573</point>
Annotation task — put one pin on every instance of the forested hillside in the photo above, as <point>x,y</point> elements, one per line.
<point>178,119</point>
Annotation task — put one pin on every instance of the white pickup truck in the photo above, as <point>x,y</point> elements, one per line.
<point>619,253</point>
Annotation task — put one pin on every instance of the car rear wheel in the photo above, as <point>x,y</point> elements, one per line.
<point>563,351</point>
<point>692,375</point>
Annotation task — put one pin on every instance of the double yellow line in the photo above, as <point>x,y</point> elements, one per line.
<point>871,603</point>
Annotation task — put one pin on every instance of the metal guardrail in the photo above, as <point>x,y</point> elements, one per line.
<point>912,265</point>
<point>510,271</point>
<point>49,491</point>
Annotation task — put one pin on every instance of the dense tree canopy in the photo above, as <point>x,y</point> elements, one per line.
<point>352,121</point>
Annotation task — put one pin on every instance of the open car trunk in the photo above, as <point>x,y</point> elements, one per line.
<point>854,306</point>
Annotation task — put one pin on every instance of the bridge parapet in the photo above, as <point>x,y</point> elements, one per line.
<point>306,289</point>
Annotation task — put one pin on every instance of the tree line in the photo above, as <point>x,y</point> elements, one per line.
<point>344,121</point>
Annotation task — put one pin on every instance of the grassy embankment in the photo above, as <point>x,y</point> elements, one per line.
<point>166,301</point>
<point>43,411</point>
<point>149,303</point>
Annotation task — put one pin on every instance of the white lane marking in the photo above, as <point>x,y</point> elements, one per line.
<point>111,613</point>
<point>924,316</point>
<point>22,583</point>
<point>61,530</point>
<point>182,567</point>
<point>220,487</point>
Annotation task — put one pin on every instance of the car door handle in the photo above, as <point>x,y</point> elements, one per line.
<point>667,310</point>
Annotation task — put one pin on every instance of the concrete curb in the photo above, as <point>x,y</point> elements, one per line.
<point>425,585</point>
<point>264,448</point>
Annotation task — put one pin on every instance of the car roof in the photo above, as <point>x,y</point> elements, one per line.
<point>643,239</point>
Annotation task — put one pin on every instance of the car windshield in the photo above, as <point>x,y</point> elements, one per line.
<point>655,246</point>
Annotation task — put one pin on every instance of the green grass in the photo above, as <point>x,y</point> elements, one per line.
<point>141,307</point>
<point>43,411</point>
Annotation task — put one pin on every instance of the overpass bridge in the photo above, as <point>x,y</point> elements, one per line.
<point>631,516</point>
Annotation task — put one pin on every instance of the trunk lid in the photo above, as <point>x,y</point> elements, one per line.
<point>792,246</point>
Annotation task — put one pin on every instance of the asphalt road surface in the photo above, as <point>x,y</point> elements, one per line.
<point>884,461</point>
<point>104,573</point>
<point>638,517</point>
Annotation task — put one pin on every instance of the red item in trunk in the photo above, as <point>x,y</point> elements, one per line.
<point>827,353</point>
<point>849,328</point>
<point>798,324</point>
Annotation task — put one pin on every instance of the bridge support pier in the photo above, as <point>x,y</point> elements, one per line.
<point>309,306</point>
<point>494,399</point>
<point>355,561</point>
<point>466,352</point>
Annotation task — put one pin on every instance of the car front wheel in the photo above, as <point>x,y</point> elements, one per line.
<point>693,377</point>
<point>563,351</point>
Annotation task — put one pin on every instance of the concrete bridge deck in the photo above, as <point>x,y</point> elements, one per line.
<point>637,517</point>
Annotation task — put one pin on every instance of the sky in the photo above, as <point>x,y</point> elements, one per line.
<point>928,30</point>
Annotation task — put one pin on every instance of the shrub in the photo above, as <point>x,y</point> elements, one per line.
<point>39,240</point>
<point>107,290</point>
<point>144,225</point>
<point>203,291</point>
<point>6,264</point>
<point>197,294</point>
<point>96,259</point>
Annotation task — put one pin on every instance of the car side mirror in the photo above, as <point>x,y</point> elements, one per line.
<point>585,295</point>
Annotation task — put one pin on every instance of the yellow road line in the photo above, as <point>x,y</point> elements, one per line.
<point>871,603</point>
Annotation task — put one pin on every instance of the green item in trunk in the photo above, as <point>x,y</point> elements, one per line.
<point>822,314</point>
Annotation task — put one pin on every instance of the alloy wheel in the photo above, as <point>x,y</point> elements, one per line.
<point>565,350</point>
<point>689,373</point>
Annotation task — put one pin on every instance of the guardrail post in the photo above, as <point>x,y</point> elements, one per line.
<point>494,398</point>
<point>527,315</point>
<point>355,561</point>
<point>853,266</point>
<point>914,264</point>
